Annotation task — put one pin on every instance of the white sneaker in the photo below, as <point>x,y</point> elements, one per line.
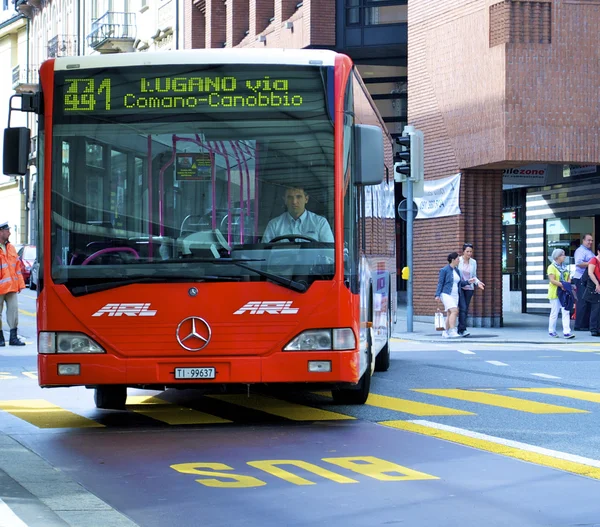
<point>445,335</point>
<point>453,334</point>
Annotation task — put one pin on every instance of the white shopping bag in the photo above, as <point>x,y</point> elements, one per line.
<point>440,322</point>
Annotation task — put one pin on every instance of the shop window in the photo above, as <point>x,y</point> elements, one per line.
<point>565,234</point>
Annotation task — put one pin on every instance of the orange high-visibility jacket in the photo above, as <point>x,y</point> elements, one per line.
<point>11,278</point>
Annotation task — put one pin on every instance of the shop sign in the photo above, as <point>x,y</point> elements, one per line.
<point>578,170</point>
<point>530,176</point>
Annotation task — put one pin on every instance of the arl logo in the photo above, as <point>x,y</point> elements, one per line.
<point>129,310</point>
<point>270,308</point>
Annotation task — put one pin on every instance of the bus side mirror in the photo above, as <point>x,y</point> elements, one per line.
<point>370,162</point>
<point>16,151</point>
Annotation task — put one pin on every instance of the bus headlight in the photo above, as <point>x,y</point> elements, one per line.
<point>323,340</point>
<point>59,342</point>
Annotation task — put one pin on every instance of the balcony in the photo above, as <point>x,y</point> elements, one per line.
<point>25,79</point>
<point>62,46</point>
<point>113,33</point>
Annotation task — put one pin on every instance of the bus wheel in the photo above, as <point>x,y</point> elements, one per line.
<point>356,394</point>
<point>110,397</point>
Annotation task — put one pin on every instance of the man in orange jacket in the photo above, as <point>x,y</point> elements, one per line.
<point>11,283</point>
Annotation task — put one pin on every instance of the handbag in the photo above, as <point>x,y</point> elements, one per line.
<point>440,323</point>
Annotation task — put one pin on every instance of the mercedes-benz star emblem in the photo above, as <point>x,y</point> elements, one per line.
<point>193,333</point>
<point>192,291</point>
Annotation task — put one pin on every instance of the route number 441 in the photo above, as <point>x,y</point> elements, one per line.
<point>216,475</point>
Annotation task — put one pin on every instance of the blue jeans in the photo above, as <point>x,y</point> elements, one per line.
<point>463,308</point>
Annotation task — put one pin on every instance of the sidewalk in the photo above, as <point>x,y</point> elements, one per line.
<point>518,328</point>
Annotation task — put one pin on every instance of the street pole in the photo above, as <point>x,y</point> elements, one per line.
<point>408,168</point>
<point>409,255</point>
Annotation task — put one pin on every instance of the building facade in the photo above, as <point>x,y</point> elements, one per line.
<point>499,86</point>
<point>37,30</point>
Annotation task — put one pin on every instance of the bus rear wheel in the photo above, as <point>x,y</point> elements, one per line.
<point>110,397</point>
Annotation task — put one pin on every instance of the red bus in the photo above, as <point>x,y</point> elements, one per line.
<point>210,218</point>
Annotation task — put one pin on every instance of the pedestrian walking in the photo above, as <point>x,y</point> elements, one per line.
<point>11,283</point>
<point>467,265</point>
<point>583,255</point>
<point>558,276</point>
<point>592,293</point>
<point>448,291</point>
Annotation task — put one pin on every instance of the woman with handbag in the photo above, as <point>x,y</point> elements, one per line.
<point>591,295</point>
<point>448,290</point>
<point>468,269</point>
<point>557,274</point>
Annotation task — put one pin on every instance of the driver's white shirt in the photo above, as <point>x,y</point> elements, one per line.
<point>309,224</point>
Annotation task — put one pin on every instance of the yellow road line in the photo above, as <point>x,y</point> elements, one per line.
<point>499,448</point>
<point>43,414</point>
<point>503,401</point>
<point>28,313</point>
<point>171,414</point>
<point>593,397</point>
<point>280,408</point>
<point>406,406</point>
<point>411,407</point>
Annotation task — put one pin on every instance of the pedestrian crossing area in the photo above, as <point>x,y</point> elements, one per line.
<point>227,409</point>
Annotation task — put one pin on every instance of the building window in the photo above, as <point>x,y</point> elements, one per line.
<point>385,14</point>
<point>565,233</point>
<point>376,12</point>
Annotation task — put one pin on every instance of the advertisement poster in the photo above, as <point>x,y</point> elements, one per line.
<point>193,167</point>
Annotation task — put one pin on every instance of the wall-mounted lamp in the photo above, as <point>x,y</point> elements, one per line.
<point>288,25</point>
<point>261,38</point>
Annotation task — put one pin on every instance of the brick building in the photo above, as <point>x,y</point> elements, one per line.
<point>496,85</point>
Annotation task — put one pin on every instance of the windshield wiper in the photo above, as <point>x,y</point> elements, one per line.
<point>301,287</point>
<point>95,288</point>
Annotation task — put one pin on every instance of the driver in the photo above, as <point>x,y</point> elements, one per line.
<point>298,220</point>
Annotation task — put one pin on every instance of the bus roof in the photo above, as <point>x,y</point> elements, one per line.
<point>295,57</point>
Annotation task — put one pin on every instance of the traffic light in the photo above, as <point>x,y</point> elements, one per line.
<point>408,162</point>
<point>402,158</point>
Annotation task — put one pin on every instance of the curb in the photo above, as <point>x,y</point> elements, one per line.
<point>56,492</point>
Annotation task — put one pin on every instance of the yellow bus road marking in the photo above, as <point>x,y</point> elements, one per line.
<point>411,407</point>
<point>5,375</point>
<point>280,408</point>
<point>31,374</point>
<point>405,406</point>
<point>27,313</point>
<point>169,413</point>
<point>44,414</point>
<point>593,397</point>
<point>529,453</point>
<point>503,401</point>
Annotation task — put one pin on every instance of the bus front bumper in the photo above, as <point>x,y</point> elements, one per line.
<point>285,367</point>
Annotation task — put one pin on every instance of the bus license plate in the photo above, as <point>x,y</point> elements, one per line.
<point>195,373</point>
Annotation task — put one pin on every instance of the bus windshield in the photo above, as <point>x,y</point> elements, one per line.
<point>192,173</point>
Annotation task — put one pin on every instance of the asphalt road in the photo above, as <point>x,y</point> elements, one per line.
<point>453,434</point>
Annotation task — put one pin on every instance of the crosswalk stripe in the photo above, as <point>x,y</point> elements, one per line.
<point>502,401</point>
<point>593,397</point>
<point>44,414</point>
<point>280,408</point>
<point>411,407</point>
<point>406,406</point>
<point>169,413</point>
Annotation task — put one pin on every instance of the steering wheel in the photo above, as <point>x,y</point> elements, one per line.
<point>292,237</point>
<point>111,250</point>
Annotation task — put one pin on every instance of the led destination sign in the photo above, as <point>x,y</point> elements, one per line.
<point>223,88</point>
